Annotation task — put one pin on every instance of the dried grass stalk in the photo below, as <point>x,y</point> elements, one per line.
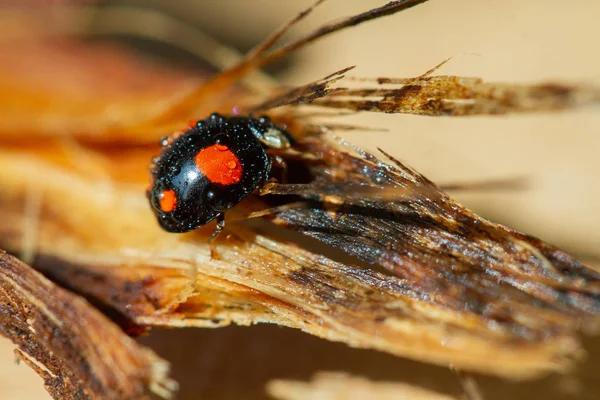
<point>459,96</point>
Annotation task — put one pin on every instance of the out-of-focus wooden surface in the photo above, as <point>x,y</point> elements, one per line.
<point>498,41</point>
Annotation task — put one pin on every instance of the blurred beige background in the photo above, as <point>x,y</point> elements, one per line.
<point>532,41</point>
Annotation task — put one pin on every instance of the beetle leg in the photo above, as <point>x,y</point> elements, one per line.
<point>280,162</point>
<point>214,255</point>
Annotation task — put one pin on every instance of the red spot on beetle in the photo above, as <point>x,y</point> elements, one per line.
<point>219,164</point>
<point>167,201</point>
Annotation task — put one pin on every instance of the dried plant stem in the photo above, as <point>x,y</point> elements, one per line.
<point>78,352</point>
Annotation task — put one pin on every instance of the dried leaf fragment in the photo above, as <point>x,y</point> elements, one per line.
<point>154,278</point>
<point>78,352</point>
<point>445,95</point>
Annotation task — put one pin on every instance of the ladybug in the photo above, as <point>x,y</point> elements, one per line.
<point>215,164</point>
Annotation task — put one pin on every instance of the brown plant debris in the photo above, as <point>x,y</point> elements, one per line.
<point>338,386</point>
<point>78,352</point>
<point>444,95</point>
<point>464,291</point>
<point>457,289</point>
<point>304,94</point>
<point>187,108</point>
